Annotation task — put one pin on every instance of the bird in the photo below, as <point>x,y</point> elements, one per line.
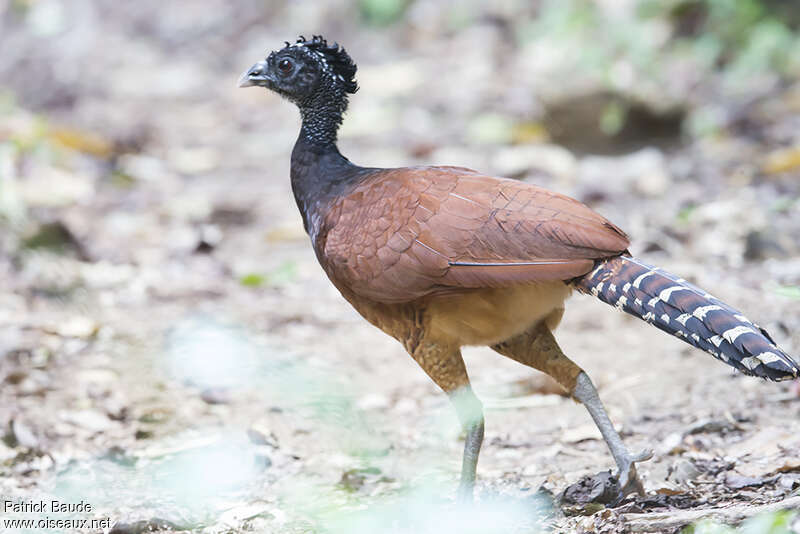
<point>442,257</point>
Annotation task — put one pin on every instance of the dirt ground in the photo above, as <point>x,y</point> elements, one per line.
<point>172,354</point>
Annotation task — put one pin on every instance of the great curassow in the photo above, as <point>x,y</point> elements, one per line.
<point>443,257</point>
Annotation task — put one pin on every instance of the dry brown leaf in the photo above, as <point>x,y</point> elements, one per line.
<point>782,160</point>
<point>529,132</point>
<point>82,141</point>
<point>667,488</point>
<point>789,465</point>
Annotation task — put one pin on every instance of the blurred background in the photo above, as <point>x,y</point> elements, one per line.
<point>171,351</point>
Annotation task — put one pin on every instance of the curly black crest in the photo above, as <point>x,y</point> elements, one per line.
<point>333,57</point>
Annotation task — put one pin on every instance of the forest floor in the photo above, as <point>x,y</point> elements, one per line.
<point>172,354</point>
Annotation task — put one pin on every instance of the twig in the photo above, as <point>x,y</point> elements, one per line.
<point>667,521</point>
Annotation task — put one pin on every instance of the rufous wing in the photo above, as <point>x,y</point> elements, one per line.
<point>407,233</point>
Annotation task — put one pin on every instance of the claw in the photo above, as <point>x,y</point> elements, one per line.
<point>628,478</point>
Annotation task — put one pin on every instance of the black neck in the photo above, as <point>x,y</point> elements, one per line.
<point>319,171</point>
<point>322,114</point>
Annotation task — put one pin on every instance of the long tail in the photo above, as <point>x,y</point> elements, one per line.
<point>689,313</point>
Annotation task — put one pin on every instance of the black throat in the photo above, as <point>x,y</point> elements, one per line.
<point>322,114</point>
<point>319,171</point>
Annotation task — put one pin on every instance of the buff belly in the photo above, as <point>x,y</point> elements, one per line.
<point>489,316</point>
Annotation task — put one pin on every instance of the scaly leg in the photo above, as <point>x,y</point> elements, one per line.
<point>537,348</point>
<point>629,482</point>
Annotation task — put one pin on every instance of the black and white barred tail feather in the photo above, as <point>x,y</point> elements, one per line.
<point>689,313</point>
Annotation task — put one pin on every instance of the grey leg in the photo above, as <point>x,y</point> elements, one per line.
<point>537,348</point>
<point>629,482</point>
<point>470,413</point>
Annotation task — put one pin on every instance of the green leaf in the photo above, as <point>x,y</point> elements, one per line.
<point>382,12</point>
<point>774,523</point>
<point>252,280</point>
<point>490,128</point>
<point>283,275</point>
<point>783,204</point>
<point>793,292</point>
<point>708,527</point>
<point>613,118</point>
<point>685,214</point>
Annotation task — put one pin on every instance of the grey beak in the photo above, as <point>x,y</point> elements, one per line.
<point>255,75</point>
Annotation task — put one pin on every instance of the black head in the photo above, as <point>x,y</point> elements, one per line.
<point>298,71</point>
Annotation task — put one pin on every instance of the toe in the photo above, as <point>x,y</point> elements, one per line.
<point>629,481</point>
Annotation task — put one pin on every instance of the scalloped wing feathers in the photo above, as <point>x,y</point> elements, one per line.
<point>409,233</point>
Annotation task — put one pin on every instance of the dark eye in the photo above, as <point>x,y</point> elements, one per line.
<point>285,66</point>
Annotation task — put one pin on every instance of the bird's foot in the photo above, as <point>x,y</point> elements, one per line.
<point>627,477</point>
<point>605,488</point>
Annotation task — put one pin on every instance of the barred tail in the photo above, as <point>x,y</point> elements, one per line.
<point>689,313</point>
